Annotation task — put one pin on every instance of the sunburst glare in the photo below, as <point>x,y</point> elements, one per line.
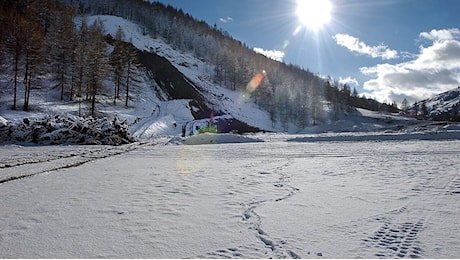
<point>314,13</point>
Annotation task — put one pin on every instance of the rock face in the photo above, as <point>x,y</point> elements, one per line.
<point>174,84</point>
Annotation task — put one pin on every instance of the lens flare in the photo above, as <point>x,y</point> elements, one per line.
<point>255,81</point>
<point>285,44</point>
<point>192,160</point>
<point>297,30</point>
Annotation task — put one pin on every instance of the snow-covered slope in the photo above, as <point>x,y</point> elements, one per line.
<point>232,104</point>
<point>444,106</point>
<point>229,102</point>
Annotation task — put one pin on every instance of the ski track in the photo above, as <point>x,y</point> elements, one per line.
<point>232,200</point>
<point>19,165</point>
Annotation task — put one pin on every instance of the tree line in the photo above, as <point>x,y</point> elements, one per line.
<point>42,38</point>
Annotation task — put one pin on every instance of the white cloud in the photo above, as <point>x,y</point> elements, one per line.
<point>272,54</point>
<point>434,70</point>
<point>441,35</point>
<point>355,45</point>
<point>226,19</point>
<point>351,82</point>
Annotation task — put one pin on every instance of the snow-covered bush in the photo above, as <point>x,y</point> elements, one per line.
<point>66,129</point>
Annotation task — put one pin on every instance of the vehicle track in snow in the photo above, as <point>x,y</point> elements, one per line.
<point>18,168</point>
<point>396,239</point>
<point>399,233</point>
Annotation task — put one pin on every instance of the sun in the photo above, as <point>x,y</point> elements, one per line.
<point>314,13</point>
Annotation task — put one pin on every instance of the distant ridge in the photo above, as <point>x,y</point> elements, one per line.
<point>442,107</point>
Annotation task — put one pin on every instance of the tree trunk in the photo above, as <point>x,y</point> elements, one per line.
<point>128,75</point>
<point>62,84</point>
<point>26,87</point>
<point>16,68</point>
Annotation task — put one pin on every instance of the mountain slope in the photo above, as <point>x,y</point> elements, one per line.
<point>442,107</point>
<point>180,76</point>
<point>177,96</point>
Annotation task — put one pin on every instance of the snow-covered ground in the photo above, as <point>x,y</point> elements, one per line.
<point>277,198</point>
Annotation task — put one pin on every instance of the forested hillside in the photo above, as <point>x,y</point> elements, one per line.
<point>46,39</point>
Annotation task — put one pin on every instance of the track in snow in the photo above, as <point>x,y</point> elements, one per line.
<point>279,181</point>
<point>22,165</point>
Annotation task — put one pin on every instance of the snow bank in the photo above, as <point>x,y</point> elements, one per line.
<point>154,127</point>
<point>208,138</point>
<point>354,137</point>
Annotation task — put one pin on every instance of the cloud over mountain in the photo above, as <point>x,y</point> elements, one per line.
<point>226,19</point>
<point>433,70</point>
<point>272,54</point>
<point>355,45</point>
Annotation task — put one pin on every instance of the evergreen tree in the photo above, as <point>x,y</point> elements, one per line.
<point>61,46</point>
<point>404,106</point>
<point>117,60</point>
<point>416,109</point>
<point>81,59</point>
<point>316,108</point>
<point>15,45</point>
<point>423,111</point>
<point>130,60</point>
<point>34,48</point>
<point>23,43</point>
<point>97,62</point>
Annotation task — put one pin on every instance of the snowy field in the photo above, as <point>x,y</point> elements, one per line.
<point>282,198</point>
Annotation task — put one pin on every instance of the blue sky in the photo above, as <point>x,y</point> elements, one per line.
<point>387,49</point>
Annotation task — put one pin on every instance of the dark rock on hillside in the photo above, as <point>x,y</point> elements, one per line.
<point>174,83</point>
<point>227,125</point>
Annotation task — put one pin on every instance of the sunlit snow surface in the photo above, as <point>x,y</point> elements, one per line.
<point>277,198</point>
